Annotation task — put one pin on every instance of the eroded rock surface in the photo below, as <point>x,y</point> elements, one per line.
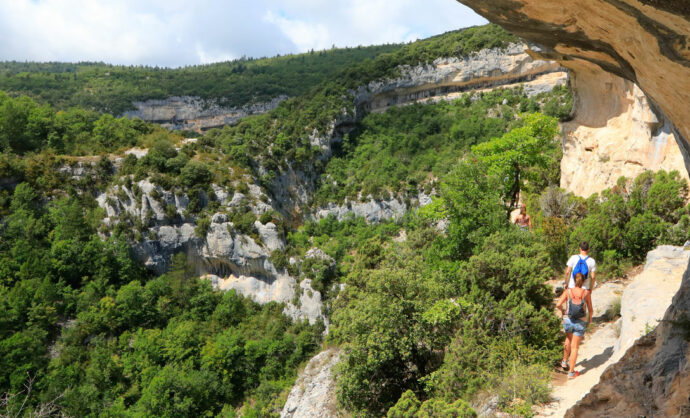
<point>231,260</point>
<point>313,394</point>
<point>195,113</point>
<point>447,78</point>
<point>614,132</point>
<point>644,41</point>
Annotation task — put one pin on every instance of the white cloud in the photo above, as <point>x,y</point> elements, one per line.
<point>305,36</point>
<point>180,32</point>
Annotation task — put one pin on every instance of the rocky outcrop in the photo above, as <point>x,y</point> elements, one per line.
<point>313,394</point>
<point>373,211</point>
<point>614,132</point>
<point>644,41</point>
<point>231,260</point>
<point>650,372</point>
<point>195,113</point>
<point>447,78</point>
<point>645,300</point>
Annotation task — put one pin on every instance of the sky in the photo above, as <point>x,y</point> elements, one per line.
<point>172,33</point>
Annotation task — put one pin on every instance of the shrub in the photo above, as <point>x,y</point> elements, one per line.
<point>406,407</point>
<point>202,226</point>
<point>266,217</point>
<point>243,222</point>
<point>195,173</point>
<point>614,311</point>
<point>641,234</point>
<point>529,383</point>
<point>279,259</point>
<point>439,408</point>
<point>171,211</point>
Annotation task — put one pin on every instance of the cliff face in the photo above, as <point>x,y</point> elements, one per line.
<point>614,132</point>
<point>447,78</point>
<point>646,42</point>
<point>196,114</point>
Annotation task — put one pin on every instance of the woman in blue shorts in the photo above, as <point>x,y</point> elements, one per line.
<point>573,323</point>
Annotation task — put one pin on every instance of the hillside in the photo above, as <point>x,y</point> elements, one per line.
<point>145,273</point>
<point>114,89</point>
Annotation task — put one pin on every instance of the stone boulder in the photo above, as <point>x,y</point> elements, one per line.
<point>649,295</point>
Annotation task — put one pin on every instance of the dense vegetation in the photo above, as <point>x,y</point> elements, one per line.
<point>96,334</point>
<point>405,148</point>
<point>445,306</point>
<point>112,89</point>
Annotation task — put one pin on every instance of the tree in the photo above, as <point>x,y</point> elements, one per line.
<point>520,155</point>
<point>473,203</point>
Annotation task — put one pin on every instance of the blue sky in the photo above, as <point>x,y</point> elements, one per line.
<point>185,32</point>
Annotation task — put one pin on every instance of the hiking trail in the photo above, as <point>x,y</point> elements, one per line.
<point>624,310</point>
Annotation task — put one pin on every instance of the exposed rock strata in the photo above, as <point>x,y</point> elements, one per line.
<point>447,78</point>
<point>195,113</point>
<point>644,41</point>
<point>229,259</point>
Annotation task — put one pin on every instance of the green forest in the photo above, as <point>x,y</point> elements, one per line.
<point>112,89</point>
<point>439,309</point>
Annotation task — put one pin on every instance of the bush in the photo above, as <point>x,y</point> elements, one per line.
<point>266,217</point>
<point>641,234</point>
<point>195,173</point>
<point>406,407</point>
<point>529,383</point>
<point>279,259</point>
<point>170,211</point>
<point>202,226</point>
<point>243,222</point>
<point>439,408</point>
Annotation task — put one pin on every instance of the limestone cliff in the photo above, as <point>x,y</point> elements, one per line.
<point>195,113</point>
<point>447,78</point>
<point>230,259</point>
<point>614,132</point>
<point>646,42</point>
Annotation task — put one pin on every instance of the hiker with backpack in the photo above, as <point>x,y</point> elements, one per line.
<point>577,297</point>
<point>581,263</point>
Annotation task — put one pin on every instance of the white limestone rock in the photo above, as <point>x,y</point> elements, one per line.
<point>647,298</point>
<point>313,394</point>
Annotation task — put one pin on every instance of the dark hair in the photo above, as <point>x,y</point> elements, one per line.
<point>584,246</point>
<point>579,279</point>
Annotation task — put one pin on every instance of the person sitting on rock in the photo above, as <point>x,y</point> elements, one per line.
<point>581,263</point>
<point>523,220</point>
<point>573,325</point>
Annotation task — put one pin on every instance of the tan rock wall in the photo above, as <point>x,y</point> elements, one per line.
<point>614,133</point>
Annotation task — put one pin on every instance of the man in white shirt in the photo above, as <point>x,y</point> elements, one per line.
<point>591,268</point>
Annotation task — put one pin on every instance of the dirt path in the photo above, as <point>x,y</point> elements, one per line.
<point>593,358</point>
